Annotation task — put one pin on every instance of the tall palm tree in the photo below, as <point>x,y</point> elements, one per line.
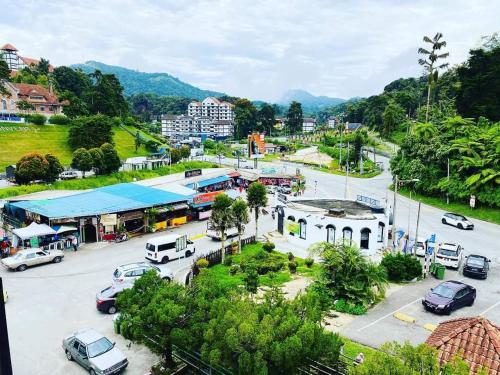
<point>256,198</point>
<point>222,218</point>
<point>430,63</point>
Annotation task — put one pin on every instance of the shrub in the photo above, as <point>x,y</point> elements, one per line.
<point>233,269</point>
<point>292,266</point>
<point>401,267</point>
<point>251,279</point>
<point>290,256</point>
<point>268,246</point>
<point>309,262</point>
<point>59,120</point>
<point>202,263</point>
<point>349,308</point>
<point>270,265</point>
<point>36,119</point>
<point>228,261</point>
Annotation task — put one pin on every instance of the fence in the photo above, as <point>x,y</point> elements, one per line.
<point>194,361</point>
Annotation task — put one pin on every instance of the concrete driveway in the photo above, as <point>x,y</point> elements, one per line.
<point>380,325</point>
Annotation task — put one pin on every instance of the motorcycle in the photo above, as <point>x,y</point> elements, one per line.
<point>121,237</point>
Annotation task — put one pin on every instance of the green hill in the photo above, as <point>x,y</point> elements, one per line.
<point>17,140</point>
<point>135,82</point>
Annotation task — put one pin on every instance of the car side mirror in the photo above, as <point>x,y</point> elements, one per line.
<point>489,260</point>
<point>466,256</point>
<point>432,289</point>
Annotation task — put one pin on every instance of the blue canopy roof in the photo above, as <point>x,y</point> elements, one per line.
<point>210,181</point>
<point>108,199</point>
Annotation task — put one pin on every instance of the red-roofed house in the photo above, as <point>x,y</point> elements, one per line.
<point>42,100</point>
<point>476,337</point>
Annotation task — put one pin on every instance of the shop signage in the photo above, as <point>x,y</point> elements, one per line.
<point>256,146</point>
<point>204,214</point>
<point>34,241</point>
<point>192,173</point>
<point>206,197</point>
<point>109,219</point>
<point>292,227</point>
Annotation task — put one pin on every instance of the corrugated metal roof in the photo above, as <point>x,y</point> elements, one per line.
<point>210,181</point>
<point>108,199</point>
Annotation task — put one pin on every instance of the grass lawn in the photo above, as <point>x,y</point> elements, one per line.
<point>98,181</point>
<point>483,213</point>
<point>352,349</point>
<point>17,140</point>
<point>351,174</point>
<point>249,254</point>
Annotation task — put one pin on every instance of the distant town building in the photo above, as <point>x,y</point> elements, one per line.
<point>15,61</point>
<point>352,126</point>
<point>280,123</point>
<point>331,122</point>
<point>41,99</point>
<point>308,125</point>
<point>210,117</point>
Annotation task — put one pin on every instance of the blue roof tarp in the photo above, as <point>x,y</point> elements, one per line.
<point>108,199</point>
<point>210,181</point>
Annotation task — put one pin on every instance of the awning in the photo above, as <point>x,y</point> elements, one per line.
<point>208,182</point>
<point>33,230</point>
<point>181,206</point>
<point>64,229</point>
<point>234,174</point>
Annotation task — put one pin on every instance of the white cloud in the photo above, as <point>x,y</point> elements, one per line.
<point>256,49</point>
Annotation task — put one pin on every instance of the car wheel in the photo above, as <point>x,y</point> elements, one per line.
<point>471,302</point>
<point>443,221</point>
<point>188,254</point>
<point>460,226</point>
<point>164,260</point>
<point>448,311</point>
<point>69,356</point>
<point>112,310</point>
<point>57,260</point>
<point>22,267</point>
<point>92,372</point>
<point>167,279</point>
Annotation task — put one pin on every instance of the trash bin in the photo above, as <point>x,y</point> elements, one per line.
<point>116,324</point>
<point>432,268</point>
<point>440,271</point>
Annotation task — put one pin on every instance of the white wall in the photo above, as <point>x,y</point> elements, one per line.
<point>316,229</point>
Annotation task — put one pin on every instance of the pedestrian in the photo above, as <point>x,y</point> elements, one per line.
<point>74,242</point>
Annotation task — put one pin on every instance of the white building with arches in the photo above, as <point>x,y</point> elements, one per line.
<point>304,222</point>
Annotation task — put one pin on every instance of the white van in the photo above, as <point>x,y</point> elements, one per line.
<point>450,255</point>
<point>216,235</point>
<point>170,247</point>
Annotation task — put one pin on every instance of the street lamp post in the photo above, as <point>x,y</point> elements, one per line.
<point>397,181</point>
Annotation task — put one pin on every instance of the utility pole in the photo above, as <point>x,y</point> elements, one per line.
<point>393,229</point>
<point>340,149</point>
<point>416,231</point>
<point>447,196</point>
<point>346,172</point>
<point>5,362</point>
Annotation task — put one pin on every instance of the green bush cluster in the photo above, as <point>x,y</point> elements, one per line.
<point>228,261</point>
<point>36,118</point>
<point>202,263</point>
<point>268,246</point>
<point>401,267</point>
<point>309,262</point>
<point>59,120</point>
<point>292,266</point>
<point>349,308</point>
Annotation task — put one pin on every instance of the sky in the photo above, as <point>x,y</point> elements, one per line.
<point>254,49</point>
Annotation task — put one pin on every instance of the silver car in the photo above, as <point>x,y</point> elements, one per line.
<point>94,352</point>
<point>32,257</point>
<point>128,273</point>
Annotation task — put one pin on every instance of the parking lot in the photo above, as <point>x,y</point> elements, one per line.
<point>48,302</point>
<point>380,325</point>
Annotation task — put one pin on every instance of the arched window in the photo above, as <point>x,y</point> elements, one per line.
<point>365,238</point>
<point>291,218</point>
<point>381,231</point>
<point>303,225</point>
<point>4,104</point>
<point>347,235</point>
<point>330,233</point>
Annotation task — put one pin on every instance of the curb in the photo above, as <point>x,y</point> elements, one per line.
<point>404,317</point>
<point>197,236</point>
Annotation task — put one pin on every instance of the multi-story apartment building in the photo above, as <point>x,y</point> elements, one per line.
<point>210,117</point>
<point>213,108</point>
<point>308,125</point>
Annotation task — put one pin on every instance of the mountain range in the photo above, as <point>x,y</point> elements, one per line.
<point>135,82</point>
<point>309,101</point>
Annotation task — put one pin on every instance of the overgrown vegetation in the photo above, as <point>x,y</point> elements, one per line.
<point>401,267</point>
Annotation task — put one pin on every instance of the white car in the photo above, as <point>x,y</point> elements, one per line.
<point>450,255</point>
<point>420,251</point>
<point>68,175</point>
<point>459,221</point>
<point>128,273</point>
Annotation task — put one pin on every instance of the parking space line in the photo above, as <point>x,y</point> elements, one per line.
<point>388,315</point>
<point>489,308</point>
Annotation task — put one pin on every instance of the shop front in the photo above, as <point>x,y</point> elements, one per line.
<point>202,204</point>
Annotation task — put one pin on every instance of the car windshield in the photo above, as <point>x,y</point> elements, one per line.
<point>117,273</point>
<point>475,261</point>
<point>150,247</point>
<point>460,217</point>
<point>448,252</point>
<point>443,291</point>
<point>99,347</point>
<point>18,256</point>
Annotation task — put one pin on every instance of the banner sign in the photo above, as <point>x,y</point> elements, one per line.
<point>34,241</point>
<point>192,173</point>
<point>256,146</point>
<point>292,227</point>
<point>431,243</point>
<point>108,220</point>
<point>206,197</point>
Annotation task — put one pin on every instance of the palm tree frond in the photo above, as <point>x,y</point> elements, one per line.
<point>423,51</point>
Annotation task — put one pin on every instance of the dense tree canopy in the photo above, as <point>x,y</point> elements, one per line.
<point>245,117</point>
<point>150,106</point>
<point>90,132</point>
<point>31,167</point>
<point>294,118</point>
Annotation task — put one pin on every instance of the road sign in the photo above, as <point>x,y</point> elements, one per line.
<point>431,243</point>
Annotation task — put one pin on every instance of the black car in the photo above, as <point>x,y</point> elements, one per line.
<point>476,266</point>
<point>449,296</point>
<point>106,299</point>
